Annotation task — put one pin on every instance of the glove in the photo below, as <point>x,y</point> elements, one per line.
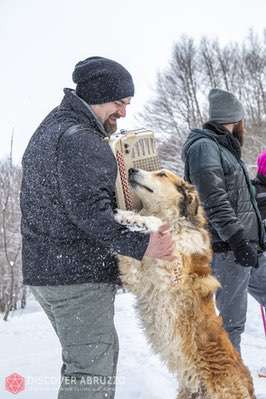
<point>246,254</point>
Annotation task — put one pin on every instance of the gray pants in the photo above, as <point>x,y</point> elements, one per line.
<point>82,316</point>
<point>236,282</point>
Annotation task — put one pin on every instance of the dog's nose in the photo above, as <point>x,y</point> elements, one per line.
<point>132,171</point>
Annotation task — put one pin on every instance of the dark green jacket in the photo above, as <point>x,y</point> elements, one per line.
<point>221,178</point>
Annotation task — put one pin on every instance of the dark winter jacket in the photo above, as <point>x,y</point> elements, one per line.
<point>67,201</point>
<point>260,186</point>
<point>213,164</point>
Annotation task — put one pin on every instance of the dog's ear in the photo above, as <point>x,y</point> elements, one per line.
<point>193,203</point>
<point>189,204</point>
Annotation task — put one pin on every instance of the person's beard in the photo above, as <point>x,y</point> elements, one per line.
<point>238,132</point>
<point>110,126</point>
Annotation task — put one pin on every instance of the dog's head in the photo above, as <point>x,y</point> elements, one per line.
<point>162,190</point>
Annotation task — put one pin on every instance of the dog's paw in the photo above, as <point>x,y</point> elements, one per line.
<point>153,223</point>
<point>135,222</point>
<point>123,217</point>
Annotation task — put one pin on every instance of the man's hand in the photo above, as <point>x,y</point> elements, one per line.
<point>161,245</point>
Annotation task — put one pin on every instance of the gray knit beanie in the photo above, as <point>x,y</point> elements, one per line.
<point>224,107</point>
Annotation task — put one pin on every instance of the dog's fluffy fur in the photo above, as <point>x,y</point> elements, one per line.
<point>175,299</point>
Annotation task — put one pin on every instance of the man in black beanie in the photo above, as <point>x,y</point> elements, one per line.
<point>70,237</point>
<point>103,81</point>
<point>212,157</point>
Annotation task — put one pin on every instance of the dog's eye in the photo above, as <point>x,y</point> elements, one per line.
<point>161,174</point>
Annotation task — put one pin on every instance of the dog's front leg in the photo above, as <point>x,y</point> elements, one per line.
<point>130,269</point>
<point>130,273</point>
<point>137,222</point>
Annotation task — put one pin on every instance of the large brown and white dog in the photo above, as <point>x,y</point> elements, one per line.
<point>175,299</point>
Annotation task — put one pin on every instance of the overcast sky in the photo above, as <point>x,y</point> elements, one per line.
<point>41,40</point>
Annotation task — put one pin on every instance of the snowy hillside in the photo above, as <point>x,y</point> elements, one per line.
<point>30,348</point>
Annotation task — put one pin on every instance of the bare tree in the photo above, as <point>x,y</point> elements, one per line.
<point>254,59</point>
<point>209,63</point>
<point>179,102</point>
<point>10,264</point>
<point>175,106</point>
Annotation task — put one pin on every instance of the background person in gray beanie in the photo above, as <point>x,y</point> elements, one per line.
<point>212,157</point>
<point>70,237</point>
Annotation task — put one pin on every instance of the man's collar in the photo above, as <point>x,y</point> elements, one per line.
<point>79,103</point>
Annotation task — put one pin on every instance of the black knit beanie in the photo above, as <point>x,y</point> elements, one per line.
<point>100,80</point>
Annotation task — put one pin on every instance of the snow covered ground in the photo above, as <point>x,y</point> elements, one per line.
<point>28,346</point>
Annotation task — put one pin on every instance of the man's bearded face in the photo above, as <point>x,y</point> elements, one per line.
<point>110,124</point>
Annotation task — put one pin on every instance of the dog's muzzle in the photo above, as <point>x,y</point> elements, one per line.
<point>132,174</point>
